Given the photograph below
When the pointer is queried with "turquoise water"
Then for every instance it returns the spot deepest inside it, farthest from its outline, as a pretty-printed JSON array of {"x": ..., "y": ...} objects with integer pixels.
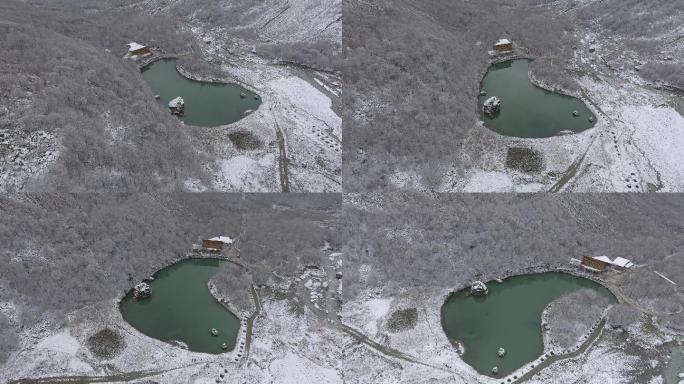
[
  {"x": 508, "y": 317},
  {"x": 526, "y": 109},
  {"x": 181, "y": 308},
  {"x": 675, "y": 366},
  {"x": 206, "y": 104}
]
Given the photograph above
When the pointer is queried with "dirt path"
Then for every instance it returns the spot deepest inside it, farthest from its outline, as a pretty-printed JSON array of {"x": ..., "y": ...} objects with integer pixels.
[
  {"x": 282, "y": 155},
  {"x": 391, "y": 352},
  {"x": 121, "y": 377},
  {"x": 616, "y": 287},
  {"x": 590, "y": 341},
  {"x": 571, "y": 172},
  {"x": 250, "y": 323}
]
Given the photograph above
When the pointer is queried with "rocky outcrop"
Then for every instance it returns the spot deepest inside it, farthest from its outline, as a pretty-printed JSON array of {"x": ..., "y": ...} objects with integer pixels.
[
  {"x": 492, "y": 106},
  {"x": 479, "y": 288},
  {"x": 142, "y": 291},
  {"x": 177, "y": 106}
]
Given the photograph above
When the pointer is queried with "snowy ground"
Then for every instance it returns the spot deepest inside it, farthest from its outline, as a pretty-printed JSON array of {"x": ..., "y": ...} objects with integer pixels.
[
  {"x": 308, "y": 157},
  {"x": 311, "y": 131},
  {"x": 286, "y": 348},
  {"x": 616, "y": 356}
]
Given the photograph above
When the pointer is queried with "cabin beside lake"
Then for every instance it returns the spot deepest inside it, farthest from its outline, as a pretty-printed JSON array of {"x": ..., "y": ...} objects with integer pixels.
[
  {"x": 135, "y": 49},
  {"x": 503, "y": 45},
  {"x": 602, "y": 263},
  {"x": 216, "y": 244}
]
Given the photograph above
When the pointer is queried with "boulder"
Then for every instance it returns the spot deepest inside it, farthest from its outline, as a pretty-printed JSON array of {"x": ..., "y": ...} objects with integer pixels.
[
  {"x": 478, "y": 288},
  {"x": 177, "y": 106},
  {"x": 142, "y": 291},
  {"x": 492, "y": 106}
]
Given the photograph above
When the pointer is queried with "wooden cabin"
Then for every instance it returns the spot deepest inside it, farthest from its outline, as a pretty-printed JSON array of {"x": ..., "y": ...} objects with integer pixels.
[
  {"x": 135, "y": 49},
  {"x": 216, "y": 244},
  {"x": 595, "y": 264},
  {"x": 503, "y": 45},
  {"x": 212, "y": 245}
]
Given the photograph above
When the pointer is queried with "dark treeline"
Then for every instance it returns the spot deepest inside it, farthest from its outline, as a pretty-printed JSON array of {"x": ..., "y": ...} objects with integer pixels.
[
  {"x": 413, "y": 68},
  {"x": 450, "y": 240},
  {"x": 63, "y": 73},
  {"x": 83, "y": 248}
]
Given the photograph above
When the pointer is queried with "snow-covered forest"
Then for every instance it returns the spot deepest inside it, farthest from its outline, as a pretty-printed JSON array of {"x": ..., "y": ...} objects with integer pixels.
[
  {"x": 76, "y": 117},
  {"x": 100, "y": 127},
  {"x": 447, "y": 240},
  {"x": 413, "y": 70},
  {"x": 84, "y": 248}
]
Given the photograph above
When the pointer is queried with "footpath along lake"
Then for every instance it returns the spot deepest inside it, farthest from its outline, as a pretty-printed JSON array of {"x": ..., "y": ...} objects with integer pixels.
[
  {"x": 181, "y": 308},
  {"x": 526, "y": 109},
  {"x": 508, "y": 317},
  {"x": 206, "y": 104}
]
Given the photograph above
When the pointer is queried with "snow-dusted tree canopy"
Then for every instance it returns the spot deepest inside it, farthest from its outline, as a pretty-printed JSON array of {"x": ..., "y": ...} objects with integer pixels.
[
  {"x": 413, "y": 70},
  {"x": 448, "y": 240},
  {"x": 92, "y": 247}
]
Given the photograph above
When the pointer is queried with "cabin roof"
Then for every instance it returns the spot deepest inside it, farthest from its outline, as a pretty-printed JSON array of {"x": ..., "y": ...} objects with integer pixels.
[
  {"x": 622, "y": 262},
  {"x": 132, "y": 47},
  {"x": 223, "y": 239},
  {"x": 618, "y": 261},
  {"x": 605, "y": 259},
  {"x": 502, "y": 42}
]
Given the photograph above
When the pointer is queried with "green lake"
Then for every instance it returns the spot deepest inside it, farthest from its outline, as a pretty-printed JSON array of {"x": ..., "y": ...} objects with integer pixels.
[
  {"x": 526, "y": 109},
  {"x": 182, "y": 309},
  {"x": 206, "y": 104},
  {"x": 675, "y": 366},
  {"x": 508, "y": 317}
]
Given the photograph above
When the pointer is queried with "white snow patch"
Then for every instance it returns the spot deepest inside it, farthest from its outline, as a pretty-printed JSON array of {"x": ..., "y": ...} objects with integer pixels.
[
  {"x": 60, "y": 342},
  {"x": 378, "y": 307},
  {"x": 482, "y": 181},
  {"x": 292, "y": 370},
  {"x": 305, "y": 96},
  {"x": 244, "y": 173},
  {"x": 659, "y": 131},
  {"x": 376, "y": 310}
]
